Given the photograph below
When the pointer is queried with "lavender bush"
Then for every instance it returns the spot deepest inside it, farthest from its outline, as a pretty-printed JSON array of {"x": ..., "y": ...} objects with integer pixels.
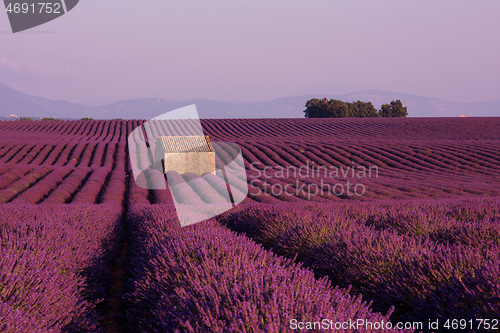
[
  {"x": 44, "y": 252},
  {"x": 408, "y": 252}
]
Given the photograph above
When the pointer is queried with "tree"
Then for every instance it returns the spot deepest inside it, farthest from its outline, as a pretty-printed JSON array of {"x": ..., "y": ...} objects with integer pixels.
[
  {"x": 315, "y": 108},
  {"x": 395, "y": 109},
  {"x": 385, "y": 110},
  {"x": 334, "y": 108},
  {"x": 323, "y": 108},
  {"x": 398, "y": 110},
  {"x": 363, "y": 110},
  {"x": 337, "y": 109}
]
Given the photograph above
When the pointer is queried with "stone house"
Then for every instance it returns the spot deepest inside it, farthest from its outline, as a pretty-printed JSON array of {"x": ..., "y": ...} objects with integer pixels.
[{"x": 185, "y": 154}]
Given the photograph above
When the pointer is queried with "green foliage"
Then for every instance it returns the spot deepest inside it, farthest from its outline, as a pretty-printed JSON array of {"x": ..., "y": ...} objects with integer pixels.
[
  {"x": 334, "y": 108},
  {"x": 395, "y": 109},
  {"x": 338, "y": 109},
  {"x": 315, "y": 108},
  {"x": 48, "y": 118},
  {"x": 385, "y": 110},
  {"x": 85, "y": 118},
  {"x": 363, "y": 109},
  {"x": 398, "y": 110},
  {"x": 24, "y": 119},
  {"x": 323, "y": 108}
]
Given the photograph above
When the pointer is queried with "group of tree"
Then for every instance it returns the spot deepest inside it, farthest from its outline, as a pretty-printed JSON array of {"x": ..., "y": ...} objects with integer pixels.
[
  {"x": 334, "y": 108},
  {"x": 31, "y": 119}
]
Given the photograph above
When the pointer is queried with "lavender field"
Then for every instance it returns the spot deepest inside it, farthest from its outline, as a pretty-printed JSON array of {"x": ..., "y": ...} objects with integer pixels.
[{"x": 346, "y": 220}]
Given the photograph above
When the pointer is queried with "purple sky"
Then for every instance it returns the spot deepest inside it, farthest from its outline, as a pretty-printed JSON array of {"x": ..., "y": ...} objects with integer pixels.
[{"x": 257, "y": 50}]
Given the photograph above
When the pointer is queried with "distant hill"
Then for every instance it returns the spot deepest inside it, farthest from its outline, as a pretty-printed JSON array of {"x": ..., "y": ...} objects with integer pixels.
[
  {"x": 419, "y": 106},
  {"x": 13, "y": 102}
]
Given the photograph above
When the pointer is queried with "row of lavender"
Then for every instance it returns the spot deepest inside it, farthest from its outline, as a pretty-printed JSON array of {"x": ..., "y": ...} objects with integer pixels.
[
  {"x": 431, "y": 259},
  {"x": 275, "y": 170},
  {"x": 409, "y": 171},
  {"x": 271, "y": 129},
  {"x": 64, "y": 184},
  {"x": 54, "y": 266},
  {"x": 456, "y": 157},
  {"x": 93, "y": 154},
  {"x": 464, "y": 167},
  {"x": 89, "y": 130},
  {"x": 430, "y": 170},
  {"x": 205, "y": 278},
  {"x": 355, "y": 129}
]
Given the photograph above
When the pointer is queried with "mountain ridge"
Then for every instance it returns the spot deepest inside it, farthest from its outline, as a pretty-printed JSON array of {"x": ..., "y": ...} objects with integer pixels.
[{"x": 18, "y": 103}]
